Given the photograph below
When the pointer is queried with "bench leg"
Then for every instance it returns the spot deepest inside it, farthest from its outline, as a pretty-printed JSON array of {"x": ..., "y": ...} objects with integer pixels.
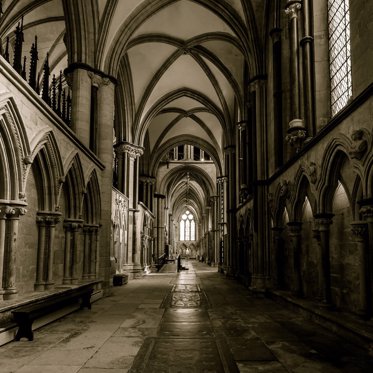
[
  {"x": 25, "y": 330},
  {"x": 86, "y": 301}
]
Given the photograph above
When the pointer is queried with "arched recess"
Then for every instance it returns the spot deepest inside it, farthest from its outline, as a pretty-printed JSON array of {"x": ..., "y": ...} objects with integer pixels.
[
  {"x": 92, "y": 201},
  {"x": 158, "y": 155},
  {"x": 14, "y": 151},
  {"x": 335, "y": 157},
  {"x": 91, "y": 216},
  {"x": 48, "y": 171},
  {"x": 303, "y": 191},
  {"x": 74, "y": 189}
]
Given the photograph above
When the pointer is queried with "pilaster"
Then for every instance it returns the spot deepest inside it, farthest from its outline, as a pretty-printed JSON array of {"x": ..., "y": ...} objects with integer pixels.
[
  {"x": 321, "y": 235},
  {"x": 295, "y": 230}
]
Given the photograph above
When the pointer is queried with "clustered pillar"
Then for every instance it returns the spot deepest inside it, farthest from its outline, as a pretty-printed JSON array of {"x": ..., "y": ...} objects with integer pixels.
[
  {"x": 46, "y": 222},
  {"x": 296, "y": 132}
]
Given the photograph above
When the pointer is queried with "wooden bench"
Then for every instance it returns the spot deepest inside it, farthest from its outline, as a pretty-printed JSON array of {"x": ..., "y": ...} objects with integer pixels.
[{"x": 24, "y": 316}]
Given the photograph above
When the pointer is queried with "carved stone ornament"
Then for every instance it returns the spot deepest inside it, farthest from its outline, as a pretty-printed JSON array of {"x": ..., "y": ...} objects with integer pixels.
[
  {"x": 285, "y": 189},
  {"x": 293, "y": 8},
  {"x": 311, "y": 171},
  {"x": 359, "y": 146},
  {"x": 297, "y": 133},
  {"x": 133, "y": 151},
  {"x": 359, "y": 229}
]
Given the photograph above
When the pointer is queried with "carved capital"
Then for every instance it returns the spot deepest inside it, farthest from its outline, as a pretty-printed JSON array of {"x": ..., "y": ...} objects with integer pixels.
[
  {"x": 292, "y": 9},
  {"x": 221, "y": 180},
  {"x": 97, "y": 80},
  {"x": 242, "y": 125},
  {"x": 323, "y": 221},
  {"x": 132, "y": 150},
  {"x": 367, "y": 212},
  {"x": 359, "y": 229}
]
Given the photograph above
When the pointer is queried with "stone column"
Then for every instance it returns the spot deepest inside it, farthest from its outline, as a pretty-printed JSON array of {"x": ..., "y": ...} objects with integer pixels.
[
  {"x": 119, "y": 151},
  {"x": 215, "y": 230},
  {"x": 133, "y": 152},
  {"x": 72, "y": 248},
  {"x": 366, "y": 211},
  {"x": 46, "y": 221},
  {"x": 295, "y": 230},
  {"x": 159, "y": 225},
  {"x": 9, "y": 218},
  {"x": 40, "y": 280},
  {"x": 93, "y": 252},
  {"x": 360, "y": 233},
  {"x": 81, "y": 104},
  {"x": 105, "y": 123},
  {"x": 222, "y": 187},
  {"x": 296, "y": 131},
  {"x": 87, "y": 233},
  {"x": 2, "y": 247},
  {"x": 278, "y": 247},
  {"x": 321, "y": 234},
  {"x": 308, "y": 68}
]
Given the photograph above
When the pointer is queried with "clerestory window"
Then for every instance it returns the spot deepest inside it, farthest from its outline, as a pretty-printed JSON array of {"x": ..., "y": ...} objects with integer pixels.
[
  {"x": 187, "y": 227},
  {"x": 339, "y": 54}
]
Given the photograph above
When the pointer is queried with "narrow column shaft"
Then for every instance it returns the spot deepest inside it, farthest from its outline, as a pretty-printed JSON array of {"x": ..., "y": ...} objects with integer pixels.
[
  {"x": 295, "y": 229},
  {"x": 10, "y": 290},
  {"x": 360, "y": 230},
  {"x": 323, "y": 222},
  {"x": 67, "y": 259},
  {"x": 75, "y": 254},
  {"x": 52, "y": 231},
  {"x": 40, "y": 280}
]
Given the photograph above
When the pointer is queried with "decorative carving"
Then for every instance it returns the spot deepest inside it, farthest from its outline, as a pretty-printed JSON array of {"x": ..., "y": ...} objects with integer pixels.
[
  {"x": 311, "y": 170},
  {"x": 359, "y": 229},
  {"x": 359, "y": 146},
  {"x": 132, "y": 150},
  {"x": 292, "y": 9},
  {"x": 296, "y": 136},
  {"x": 285, "y": 189}
]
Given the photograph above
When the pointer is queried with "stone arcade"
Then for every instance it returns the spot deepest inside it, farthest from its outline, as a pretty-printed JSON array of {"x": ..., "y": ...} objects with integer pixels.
[{"x": 234, "y": 133}]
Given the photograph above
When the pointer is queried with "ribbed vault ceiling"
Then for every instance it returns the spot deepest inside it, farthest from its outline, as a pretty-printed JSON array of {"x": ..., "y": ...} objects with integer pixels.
[{"x": 180, "y": 64}]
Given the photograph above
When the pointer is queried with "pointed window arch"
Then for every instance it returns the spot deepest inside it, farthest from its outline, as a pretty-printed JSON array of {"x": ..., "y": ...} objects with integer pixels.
[
  {"x": 339, "y": 54},
  {"x": 187, "y": 227}
]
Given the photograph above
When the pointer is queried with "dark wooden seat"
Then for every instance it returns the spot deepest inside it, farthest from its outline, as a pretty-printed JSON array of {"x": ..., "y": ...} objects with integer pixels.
[{"x": 24, "y": 316}]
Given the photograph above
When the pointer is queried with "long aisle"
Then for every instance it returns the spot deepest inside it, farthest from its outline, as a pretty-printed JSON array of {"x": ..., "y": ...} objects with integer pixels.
[
  {"x": 197, "y": 321},
  {"x": 185, "y": 341}
]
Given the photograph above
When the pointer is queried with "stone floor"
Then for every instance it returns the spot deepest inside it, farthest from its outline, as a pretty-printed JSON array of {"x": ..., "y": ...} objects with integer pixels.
[{"x": 197, "y": 321}]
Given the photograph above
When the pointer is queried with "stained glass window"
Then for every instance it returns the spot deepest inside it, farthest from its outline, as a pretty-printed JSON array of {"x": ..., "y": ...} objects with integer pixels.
[
  {"x": 339, "y": 53},
  {"x": 187, "y": 227}
]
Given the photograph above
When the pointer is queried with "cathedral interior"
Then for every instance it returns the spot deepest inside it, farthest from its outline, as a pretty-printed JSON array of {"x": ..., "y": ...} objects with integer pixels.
[{"x": 213, "y": 157}]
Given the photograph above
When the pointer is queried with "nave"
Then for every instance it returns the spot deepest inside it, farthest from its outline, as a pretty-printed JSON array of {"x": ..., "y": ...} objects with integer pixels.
[{"x": 196, "y": 320}]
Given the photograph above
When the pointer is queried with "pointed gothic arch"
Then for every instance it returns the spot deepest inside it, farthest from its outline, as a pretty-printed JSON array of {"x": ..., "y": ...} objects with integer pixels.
[{"x": 14, "y": 151}]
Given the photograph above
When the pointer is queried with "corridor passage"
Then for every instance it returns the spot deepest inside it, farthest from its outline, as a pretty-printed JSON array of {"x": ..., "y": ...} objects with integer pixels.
[{"x": 197, "y": 321}]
